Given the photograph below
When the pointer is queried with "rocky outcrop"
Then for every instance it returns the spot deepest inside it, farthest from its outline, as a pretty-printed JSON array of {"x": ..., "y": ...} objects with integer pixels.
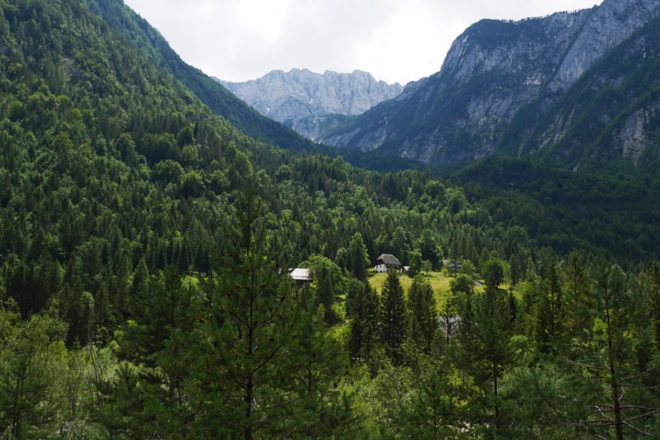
[
  {"x": 498, "y": 81},
  {"x": 303, "y": 100}
]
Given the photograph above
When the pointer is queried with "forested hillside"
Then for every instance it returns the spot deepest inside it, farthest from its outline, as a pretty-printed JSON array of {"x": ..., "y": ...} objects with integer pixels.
[
  {"x": 145, "y": 245},
  {"x": 139, "y": 34}
]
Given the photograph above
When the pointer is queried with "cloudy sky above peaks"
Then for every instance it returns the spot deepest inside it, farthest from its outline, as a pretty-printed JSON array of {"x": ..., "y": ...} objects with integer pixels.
[{"x": 395, "y": 40}]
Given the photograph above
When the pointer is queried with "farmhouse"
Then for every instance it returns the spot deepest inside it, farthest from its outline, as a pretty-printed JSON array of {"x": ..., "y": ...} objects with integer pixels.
[{"x": 386, "y": 262}]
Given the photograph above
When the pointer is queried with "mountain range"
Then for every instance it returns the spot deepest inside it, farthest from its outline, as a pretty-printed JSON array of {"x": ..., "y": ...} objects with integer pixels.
[
  {"x": 572, "y": 89},
  {"x": 311, "y": 103},
  {"x": 148, "y": 217}
]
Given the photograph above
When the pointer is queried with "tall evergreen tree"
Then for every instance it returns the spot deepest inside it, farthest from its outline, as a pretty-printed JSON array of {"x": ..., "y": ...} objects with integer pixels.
[
  {"x": 423, "y": 314},
  {"x": 462, "y": 292},
  {"x": 551, "y": 309},
  {"x": 327, "y": 276},
  {"x": 264, "y": 360},
  {"x": 487, "y": 346},
  {"x": 247, "y": 358},
  {"x": 433, "y": 408},
  {"x": 320, "y": 410},
  {"x": 358, "y": 258},
  {"x": 364, "y": 320},
  {"x": 625, "y": 409},
  {"x": 155, "y": 350},
  {"x": 393, "y": 317},
  {"x": 654, "y": 283},
  {"x": 579, "y": 301}
]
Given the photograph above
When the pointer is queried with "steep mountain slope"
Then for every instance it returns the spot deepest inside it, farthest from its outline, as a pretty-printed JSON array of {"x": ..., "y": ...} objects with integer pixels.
[
  {"x": 496, "y": 75},
  {"x": 310, "y": 102},
  {"x": 612, "y": 112},
  {"x": 138, "y": 32}
]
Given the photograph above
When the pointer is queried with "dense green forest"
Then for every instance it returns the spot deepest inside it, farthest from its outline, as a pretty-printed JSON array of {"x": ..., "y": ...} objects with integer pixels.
[
  {"x": 612, "y": 210},
  {"x": 144, "y": 250}
]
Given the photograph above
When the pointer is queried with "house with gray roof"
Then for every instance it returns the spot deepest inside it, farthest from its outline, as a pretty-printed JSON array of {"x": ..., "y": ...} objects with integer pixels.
[{"x": 386, "y": 262}]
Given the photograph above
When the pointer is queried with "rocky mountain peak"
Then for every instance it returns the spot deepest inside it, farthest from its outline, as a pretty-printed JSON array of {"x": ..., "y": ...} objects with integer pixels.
[
  {"x": 499, "y": 80},
  {"x": 295, "y": 96}
]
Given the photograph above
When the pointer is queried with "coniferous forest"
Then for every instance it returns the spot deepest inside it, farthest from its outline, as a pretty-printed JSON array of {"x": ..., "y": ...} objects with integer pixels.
[{"x": 145, "y": 249}]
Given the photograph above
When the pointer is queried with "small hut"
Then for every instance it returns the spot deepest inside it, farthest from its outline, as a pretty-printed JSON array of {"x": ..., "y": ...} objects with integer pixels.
[{"x": 301, "y": 276}]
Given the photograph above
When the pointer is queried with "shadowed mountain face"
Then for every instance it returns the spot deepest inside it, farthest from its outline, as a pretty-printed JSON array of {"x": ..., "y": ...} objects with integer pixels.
[
  {"x": 312, "y": 103},
  {"x": 573, "y": 88}
]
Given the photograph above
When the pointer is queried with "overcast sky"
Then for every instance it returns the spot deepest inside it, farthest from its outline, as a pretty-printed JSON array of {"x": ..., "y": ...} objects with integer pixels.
[{"x": 395, "y": 40}]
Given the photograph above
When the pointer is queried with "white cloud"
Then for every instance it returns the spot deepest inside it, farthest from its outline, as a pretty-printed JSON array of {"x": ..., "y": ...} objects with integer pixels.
[{"x": 395, "y": 40}]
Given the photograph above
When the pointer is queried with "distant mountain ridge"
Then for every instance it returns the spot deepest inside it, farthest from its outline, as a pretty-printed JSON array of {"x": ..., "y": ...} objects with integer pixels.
[
  {"x": 518, "y": 88},
  {"x": 310, "y": 102}
]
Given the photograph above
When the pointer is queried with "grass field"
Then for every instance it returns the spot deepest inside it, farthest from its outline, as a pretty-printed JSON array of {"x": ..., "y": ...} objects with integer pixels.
[{"x": 440, "y": 283}]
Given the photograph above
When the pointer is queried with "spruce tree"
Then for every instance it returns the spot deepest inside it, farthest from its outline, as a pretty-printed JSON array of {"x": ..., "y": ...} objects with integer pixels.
[
  {"x": 264, "y": 360},
  {"x": 393, "y": 317},
  {"x": 654, "y": 283},
  {"x": 327, "y": 276},
  {"x": 364, "y": 320},
  {"x": 358, "y": 258},
  {"x": 247, "y": 358},
  {"x": 320, "y": 410},
  {"x": 423, "y": 314},
  {"x": 625, "y": 407},
  {"x": 487, "y": 346}
]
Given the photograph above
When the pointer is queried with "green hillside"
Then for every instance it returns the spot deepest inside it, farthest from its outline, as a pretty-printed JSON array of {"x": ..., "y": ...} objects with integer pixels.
[{"x": 138, "y": 33}]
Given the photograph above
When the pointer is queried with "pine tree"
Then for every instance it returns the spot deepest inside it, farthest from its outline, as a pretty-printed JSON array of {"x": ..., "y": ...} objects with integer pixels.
[
  {"x": 27, "y": 375},
  {"x": 327, "y": 276},
  {"x": 247, "y": 358},
  {"x": 432, "y": 410},
  {"x": 428, "y": 249},
  {"x": 364, "y": 320},
  {"x": 423, "y": 314},
  {"x": 551, "y": 310},
  {"x": 614, "y": 360},
  {"x": 263, "y": 359},
  {"x": 155, "y": 350},
  {"x": 654, "y": 283},
  {"x": 358, "y": 258},
  {"x": 579, "y": 302},
  {"x": 393, "y": 317},
  {"x": 321, "y": 410},
  {"x": 487, "y": 344},
  {"x": 462, "y": 292}
]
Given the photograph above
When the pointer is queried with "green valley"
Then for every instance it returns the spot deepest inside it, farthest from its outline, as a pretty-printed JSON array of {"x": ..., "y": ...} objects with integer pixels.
[{"x": 150, "y": 221}]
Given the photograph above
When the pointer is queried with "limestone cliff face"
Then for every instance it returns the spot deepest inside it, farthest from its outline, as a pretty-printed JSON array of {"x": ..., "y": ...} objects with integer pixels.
[
  {"x": 609, "y": 25},
  {"x": 498, "y": 80},
  {"x": 309, "y": 102}
]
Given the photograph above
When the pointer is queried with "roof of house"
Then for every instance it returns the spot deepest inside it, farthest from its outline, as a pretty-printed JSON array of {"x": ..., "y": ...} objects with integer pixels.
[
  {"x": 301, "y": 274},
  {"x": 388, "y": 260}
]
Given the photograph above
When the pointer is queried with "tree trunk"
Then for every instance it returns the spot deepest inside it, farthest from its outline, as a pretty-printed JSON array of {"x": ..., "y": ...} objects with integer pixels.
[
  {"x": 249, "y": 385},
  {"x": 249, "y": 390},
  {"x": 614, "y": 384},
  {"x": 496, "y": 393}
]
